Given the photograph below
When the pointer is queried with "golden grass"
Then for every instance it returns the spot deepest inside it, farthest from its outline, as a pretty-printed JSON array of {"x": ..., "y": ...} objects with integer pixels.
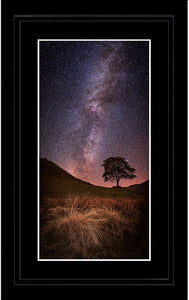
[{"x": 86, "y": 227}]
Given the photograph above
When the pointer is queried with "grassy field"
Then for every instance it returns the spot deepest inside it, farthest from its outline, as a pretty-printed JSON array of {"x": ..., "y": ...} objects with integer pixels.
[{"x": 80, "y": 220}]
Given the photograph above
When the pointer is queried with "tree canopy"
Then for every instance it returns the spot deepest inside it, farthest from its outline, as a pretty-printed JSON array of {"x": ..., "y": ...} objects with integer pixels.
[{"x": 116, "y": 168}]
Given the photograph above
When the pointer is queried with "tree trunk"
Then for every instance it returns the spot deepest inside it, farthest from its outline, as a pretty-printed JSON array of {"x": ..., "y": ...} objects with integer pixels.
[{"x": 117, "y": 182}]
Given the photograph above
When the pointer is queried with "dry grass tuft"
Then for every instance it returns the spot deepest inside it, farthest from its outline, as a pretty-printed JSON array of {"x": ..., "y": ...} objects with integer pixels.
[{"x": 86, "y": 227}]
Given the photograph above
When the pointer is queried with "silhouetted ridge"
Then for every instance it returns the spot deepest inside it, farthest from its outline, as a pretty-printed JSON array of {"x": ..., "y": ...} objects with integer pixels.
[
  {"x": 48, "y": 168},
  {"x": 142, "y": 188}
]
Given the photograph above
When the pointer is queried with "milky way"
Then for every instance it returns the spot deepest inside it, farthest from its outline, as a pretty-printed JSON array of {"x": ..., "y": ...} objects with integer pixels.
[{"x": 94, "y": 103}]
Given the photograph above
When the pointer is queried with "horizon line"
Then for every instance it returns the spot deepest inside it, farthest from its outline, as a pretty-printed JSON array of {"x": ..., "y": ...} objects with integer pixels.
[{"x": 108, "y": 187}]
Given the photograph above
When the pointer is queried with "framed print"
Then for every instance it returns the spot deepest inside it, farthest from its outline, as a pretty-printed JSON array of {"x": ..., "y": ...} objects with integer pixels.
[{"x": 96, "y": 113}]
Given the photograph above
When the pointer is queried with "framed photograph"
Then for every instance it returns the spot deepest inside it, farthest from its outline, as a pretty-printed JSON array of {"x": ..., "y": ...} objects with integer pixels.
[{"x": 93, "y": 197}]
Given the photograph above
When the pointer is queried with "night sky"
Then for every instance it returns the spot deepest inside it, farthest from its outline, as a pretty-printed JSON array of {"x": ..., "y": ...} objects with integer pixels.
[{"x": 94, "y": 103}]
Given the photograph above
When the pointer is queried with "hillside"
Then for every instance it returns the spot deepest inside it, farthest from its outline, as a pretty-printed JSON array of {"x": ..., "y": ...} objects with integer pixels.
[
  {"x": 51, "y": 171},
  {"x": 57, "y": 183},
  {"x": 81, "y": 220},
  {"x": 142, "y": 188}
]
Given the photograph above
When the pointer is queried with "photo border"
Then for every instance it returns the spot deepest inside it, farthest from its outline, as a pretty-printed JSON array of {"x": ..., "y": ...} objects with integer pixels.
[{"x": 161, "y": 280}]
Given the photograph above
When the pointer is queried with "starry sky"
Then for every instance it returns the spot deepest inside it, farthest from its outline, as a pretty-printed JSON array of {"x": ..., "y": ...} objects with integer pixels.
[{"x": 94, "y": 103}]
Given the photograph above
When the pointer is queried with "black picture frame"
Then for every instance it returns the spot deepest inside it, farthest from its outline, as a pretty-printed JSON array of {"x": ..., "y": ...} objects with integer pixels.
[{"x": 166, "y": 273}]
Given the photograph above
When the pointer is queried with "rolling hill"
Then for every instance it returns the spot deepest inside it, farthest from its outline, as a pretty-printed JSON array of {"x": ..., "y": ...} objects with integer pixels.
[
  {"x": 81, "y": 220},
  {"x": 57, "y": 183}
]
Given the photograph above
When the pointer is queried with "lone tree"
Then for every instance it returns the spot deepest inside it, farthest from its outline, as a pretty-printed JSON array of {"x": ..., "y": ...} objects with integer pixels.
[{"x": 116, "y": 168}]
